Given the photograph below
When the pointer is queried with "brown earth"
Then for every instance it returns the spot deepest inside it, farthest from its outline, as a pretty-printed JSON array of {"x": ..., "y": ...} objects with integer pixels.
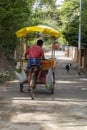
[{"x": 66, "y": 109}]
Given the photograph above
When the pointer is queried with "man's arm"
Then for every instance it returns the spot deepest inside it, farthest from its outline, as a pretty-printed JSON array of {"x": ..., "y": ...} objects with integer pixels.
[{"x": 42, "y": 54}]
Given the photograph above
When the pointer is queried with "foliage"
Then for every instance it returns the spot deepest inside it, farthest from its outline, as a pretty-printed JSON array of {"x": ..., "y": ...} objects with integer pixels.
[
  {"x": 69, "y": 15},
  {"x": 16, "y": 14},
  {"x": 13, "y": 15},
  {"x": 4, "y": 76}
]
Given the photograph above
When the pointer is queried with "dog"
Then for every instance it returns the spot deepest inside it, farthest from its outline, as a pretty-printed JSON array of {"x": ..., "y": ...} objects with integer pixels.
[{"x": 67, "y": 67}]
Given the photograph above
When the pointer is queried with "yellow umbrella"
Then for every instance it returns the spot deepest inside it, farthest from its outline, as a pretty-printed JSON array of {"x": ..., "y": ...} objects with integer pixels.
[{"x": 40, "y": 28}]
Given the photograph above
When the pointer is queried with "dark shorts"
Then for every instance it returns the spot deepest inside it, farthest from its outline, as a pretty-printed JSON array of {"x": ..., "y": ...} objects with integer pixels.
[{"x": 33, "y": 61}]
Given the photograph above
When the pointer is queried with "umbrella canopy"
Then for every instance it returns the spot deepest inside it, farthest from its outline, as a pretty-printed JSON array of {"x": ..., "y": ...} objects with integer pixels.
[{"x": 40, "y": 28}]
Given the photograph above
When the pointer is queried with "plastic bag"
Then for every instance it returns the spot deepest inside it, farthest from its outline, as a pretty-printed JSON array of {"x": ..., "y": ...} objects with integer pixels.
[
  {"x": 18, "y": 65},
  {"x": 22, "y": 77},
  {"x": 49, "y": 79}
]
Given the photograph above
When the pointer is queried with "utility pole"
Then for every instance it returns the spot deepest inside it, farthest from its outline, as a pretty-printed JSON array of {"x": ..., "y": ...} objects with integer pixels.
[{"x": 79, "y": 37}]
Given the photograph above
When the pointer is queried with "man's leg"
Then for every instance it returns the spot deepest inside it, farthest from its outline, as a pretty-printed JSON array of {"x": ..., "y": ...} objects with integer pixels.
[
  {"x": 29, "y": 77},
  {"x": 39, "y": 74},
  {"x": 29, "y": 72}
]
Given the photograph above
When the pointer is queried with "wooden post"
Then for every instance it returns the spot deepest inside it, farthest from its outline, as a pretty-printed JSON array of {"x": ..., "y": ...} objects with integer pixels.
[
  {"x": 53, "y": 50},
  {"x": 21, "y": 52}
]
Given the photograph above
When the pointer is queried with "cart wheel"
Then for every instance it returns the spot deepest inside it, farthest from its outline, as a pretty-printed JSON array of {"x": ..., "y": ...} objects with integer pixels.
[
  {"x": 21, "y": 87},
  {"x": 52, "y": 88},
  {"x": 52, "y": 91}
]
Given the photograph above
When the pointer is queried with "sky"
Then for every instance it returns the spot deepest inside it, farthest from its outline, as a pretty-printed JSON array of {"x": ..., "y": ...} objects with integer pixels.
[{"x": 59, "y": 2}]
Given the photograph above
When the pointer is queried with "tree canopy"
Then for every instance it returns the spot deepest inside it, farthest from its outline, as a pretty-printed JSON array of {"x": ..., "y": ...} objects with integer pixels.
[
  {"x": 16, "y": 14},
  {"x": 69, "y": 15}
]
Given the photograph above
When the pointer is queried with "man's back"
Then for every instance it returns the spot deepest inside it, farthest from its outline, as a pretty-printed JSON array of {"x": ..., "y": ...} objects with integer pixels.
[{"x": 35, "y": 51}]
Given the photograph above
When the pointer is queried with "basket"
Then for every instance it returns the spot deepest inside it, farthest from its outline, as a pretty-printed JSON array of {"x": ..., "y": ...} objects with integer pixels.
[{"x": 46, "y": 64}]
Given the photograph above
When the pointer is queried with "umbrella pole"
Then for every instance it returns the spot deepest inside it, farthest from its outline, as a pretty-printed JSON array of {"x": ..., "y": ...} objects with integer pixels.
[
  {"x": 26, "y": 43},
  {"x": 53, "y": 51},
  {"x": 21, "y": 52},
  {"x": 25, "y": 46},
  {"x": 20, "y": 49}
]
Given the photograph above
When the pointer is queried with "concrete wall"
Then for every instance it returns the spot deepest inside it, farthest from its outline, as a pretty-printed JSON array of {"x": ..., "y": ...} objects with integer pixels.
[{"x": 72, "y": 52}]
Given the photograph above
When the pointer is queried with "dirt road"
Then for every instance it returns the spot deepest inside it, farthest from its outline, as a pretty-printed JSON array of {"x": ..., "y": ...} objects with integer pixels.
[{"x": 66, "y": 109}]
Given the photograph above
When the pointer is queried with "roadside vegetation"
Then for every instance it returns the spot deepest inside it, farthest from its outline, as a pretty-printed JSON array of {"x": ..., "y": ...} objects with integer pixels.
[{"x": 17, "y": 14}]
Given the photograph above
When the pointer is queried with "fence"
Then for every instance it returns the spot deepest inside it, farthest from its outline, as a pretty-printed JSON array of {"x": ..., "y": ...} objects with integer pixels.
[{"x": 72, "y": 52}]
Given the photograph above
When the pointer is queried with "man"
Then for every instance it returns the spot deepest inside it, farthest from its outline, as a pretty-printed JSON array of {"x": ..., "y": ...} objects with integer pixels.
[{"x": 34, "y": 54}]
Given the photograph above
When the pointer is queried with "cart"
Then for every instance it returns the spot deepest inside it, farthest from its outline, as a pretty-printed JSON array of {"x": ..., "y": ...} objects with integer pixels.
[{"x": 47, "y": 65}]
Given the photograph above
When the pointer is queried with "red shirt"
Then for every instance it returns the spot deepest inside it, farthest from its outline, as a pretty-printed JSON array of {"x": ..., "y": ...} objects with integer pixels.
[{"x": 35, "y": 51}]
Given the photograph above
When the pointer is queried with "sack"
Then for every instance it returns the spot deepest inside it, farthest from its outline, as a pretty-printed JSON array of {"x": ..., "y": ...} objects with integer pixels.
[
  {"x": 21, "y": 76},
  {"x": 49, "y": 79}
]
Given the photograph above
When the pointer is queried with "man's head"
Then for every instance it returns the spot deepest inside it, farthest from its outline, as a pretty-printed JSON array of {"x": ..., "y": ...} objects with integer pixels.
[{"x": 40, "y": 43}]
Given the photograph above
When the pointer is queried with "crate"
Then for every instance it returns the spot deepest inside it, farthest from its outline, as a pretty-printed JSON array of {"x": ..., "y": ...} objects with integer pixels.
[{"x": 46, "y": 64}]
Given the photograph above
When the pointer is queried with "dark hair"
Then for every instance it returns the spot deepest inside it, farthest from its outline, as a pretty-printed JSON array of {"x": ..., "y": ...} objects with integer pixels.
[{"x": 40, "y": 42}]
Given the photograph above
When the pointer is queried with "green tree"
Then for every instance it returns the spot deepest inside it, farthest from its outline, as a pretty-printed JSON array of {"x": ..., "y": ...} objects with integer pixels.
[
  {"x": 14, "y": 14},
  {"x": 69, "y": 15}
]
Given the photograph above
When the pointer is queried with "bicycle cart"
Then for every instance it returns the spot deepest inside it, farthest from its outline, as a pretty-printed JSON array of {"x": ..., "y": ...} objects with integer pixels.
[{"x": 47, "y": 65}]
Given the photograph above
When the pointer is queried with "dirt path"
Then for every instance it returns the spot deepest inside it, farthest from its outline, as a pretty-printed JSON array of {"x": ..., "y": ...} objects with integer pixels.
[{"x": 66, "y": 109}]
